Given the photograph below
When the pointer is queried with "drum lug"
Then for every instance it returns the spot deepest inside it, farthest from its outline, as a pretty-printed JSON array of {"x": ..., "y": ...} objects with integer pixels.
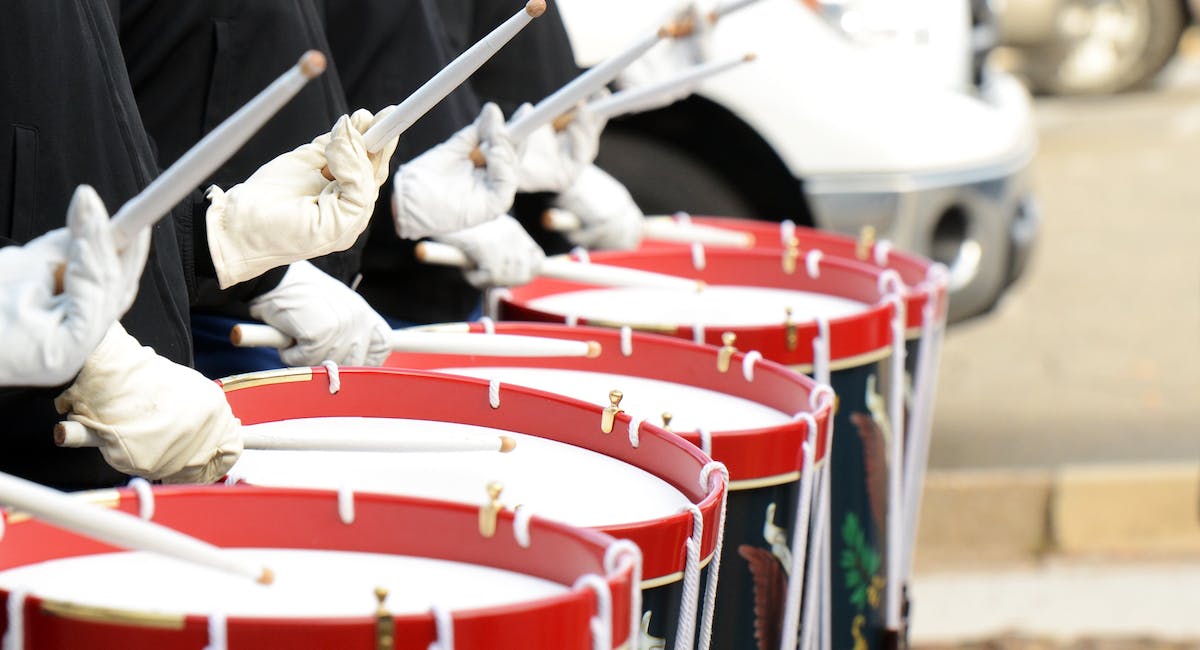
[
  {"x": 385, "y": 625},
  {"x": 490, "y": 510},
  {"x": 791, "y": 253},
  {"x": 666, "y": 420},
  {"x": 866, "y": 243},
  {"x": 726, "y": 353},
  {"x": 791, "y": 334},
  {"x": 610, "y": 412}
]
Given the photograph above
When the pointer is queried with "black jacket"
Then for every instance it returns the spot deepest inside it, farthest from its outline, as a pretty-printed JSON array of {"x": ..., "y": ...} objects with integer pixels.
[{"x": 67, "y": 116}]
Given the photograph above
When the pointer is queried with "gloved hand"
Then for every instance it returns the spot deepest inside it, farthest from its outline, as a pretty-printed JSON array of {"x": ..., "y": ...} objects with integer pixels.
[
  {"x": 503, "y": 253},
  {"x": 156, "y": 419},
  {"x": 442, "y": 191},
  {"x": 610, "y": 218},
  {"x": 549, "y": 160},
  {"x": 327, "y": 319},
  {"x": 47, "y": 337},
  {"x": 288, "y": 211}
]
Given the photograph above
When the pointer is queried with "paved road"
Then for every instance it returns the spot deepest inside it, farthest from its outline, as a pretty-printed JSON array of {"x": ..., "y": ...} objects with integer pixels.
[{"x": 1095, "y": 355}]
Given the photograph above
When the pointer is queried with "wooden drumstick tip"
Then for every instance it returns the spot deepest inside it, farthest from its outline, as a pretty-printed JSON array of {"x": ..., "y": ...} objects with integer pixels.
[
  {"x": 677, "y": 29},
  {"x": 266, "y": 577},
  {"x": 60, "y": 278},
  {"x": 535, "y": 8},
  {"x": 750, "y": 56},
  {"x": 594, "y": 349},
  {"x": 477, "y": 158},
  {"x": 312, "y": 64},
  {"x": 235, "y": 337},
  {"x": 327, "y": 174},
  {"x": 507, "y": 444},
  {"x": 60, "y": 434}
]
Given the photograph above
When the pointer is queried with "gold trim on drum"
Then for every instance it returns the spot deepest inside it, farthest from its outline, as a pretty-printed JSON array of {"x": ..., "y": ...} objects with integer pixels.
[
  {"x": 106, "y": 498},
  {"x": 655, "y": 328},
  {"x": 766, "y": 481},
  {"x": 671, "y": 578},
  {"x": 265, "y": 378},
  {"x": 849, "y": 362},
  {"x": 112, "y": 616}
]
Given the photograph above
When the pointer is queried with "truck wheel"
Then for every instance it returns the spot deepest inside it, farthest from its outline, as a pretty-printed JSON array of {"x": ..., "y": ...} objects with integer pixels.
[{"x": 1106, "y": 46}]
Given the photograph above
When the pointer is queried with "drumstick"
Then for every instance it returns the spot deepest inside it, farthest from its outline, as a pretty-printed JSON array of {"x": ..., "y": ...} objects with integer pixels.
[
  {"x": 121, "y": 529},
  {"x": 661, "y": 93},
  {"x": 564, "y": 268},
  {"x": 495, "y": 345},
  {"x": 73, "y": 434},
  {"x": 449, "y": 78},
  {"x": 204, "y": 157},
  {"x": 661, "y": 229}
]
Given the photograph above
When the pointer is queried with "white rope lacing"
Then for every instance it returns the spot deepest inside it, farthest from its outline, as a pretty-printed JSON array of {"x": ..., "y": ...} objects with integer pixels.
[
  {"x": 705, "y": 441},
  {"x": 821, "y": 345},
  {"x": 635, "y": 426},
  {"x": 571, "y": 320},
  {"x": 698, "y": 330},
  {"x": 895, "y": 515},
  {"x": 625, "y": 550},
  {"x": 494, "y": 393},
  {"x": 3, "y": 523},
  {"x": 601, "y": 624},
  {"x": 493, "y": 297},
  {"x": 335, "y": 377},
  {"x": 345, "y": 504},
  {"x": 813, "y": 595},
  {"x": 14, "y": 638},
  {"x": 626, "y": 341},
  {"x": 889, "y": 283},
  {"x": 145, "y": 495},
  {"x": 488, "y": 324},
  {"x": 787, "y": 231},
  {"x": 522, "y": 517},
  {"x": 218, "y": 632},
  {"x": 445, "y": 628},
  {"x": 883, "y": 249},
  {"x": 708, "y": 480},
  {"x": 698, "y": 259},
  {"x": 581, "y": 255},
  {"x": 690, "y": 601},
  {"x": 800, "y": 529},
  {"x": 812, "y": 263},
  {"x": 752, "y": 357},
  {"x": 683, "y": 218}
]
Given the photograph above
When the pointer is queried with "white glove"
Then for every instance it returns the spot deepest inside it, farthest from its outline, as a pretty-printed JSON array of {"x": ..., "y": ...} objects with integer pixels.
[
  {"x": 610, "y": 218},
  {"x": 328, "y": 320},
  {"x": 549, "y": 160},
  {"x": 47, "y": 337},
  {"x": 504, "y": 254},
  {"x": 288, "y": 211},
  {"x": 156, "y": 419},
  {"x": 442, "y": 191}
]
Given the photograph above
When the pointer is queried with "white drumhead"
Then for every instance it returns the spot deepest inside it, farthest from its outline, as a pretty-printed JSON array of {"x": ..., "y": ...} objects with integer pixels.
[
  {"x": 558, "y": 481},
  {"x": 308, "y": 583},
  {"x": 691, "y": 407},
  {"x": 715, "y": 307}
]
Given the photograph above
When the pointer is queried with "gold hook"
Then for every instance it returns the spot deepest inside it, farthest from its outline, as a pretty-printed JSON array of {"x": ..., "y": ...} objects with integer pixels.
[
  {"x": 793, "y": 337},
  {"x": 866, "y": 241},
  {"x": 385, "y": 625},
  {"x": 791, "y": 253},
  {"x": 726, "y": 352},
  {"x": 490, "y": 510},
  {"x": 666, "y": 418},
  {"x": 611, "y": 411}
]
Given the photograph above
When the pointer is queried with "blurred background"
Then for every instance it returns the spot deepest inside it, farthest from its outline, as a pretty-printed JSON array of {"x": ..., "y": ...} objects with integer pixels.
[{"x": 1063, "y": 509}]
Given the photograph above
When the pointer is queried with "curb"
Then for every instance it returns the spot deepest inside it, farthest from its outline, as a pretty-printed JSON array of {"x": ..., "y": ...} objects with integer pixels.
[{"x": 971, "y": 518}]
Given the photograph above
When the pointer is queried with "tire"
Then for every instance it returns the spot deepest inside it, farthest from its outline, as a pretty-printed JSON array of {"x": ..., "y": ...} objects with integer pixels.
[
  {"x": 1138, "y": 37},
  {"x": 664, "y": 179}
]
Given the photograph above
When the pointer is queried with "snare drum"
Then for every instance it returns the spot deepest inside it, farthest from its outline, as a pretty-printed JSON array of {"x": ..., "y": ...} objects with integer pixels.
[
  {"x": 845, "y": 321},
  {"x": 750, "y": 414},
  {"x": 534, "y": 584},
  {"x": 636, "y": 482}
]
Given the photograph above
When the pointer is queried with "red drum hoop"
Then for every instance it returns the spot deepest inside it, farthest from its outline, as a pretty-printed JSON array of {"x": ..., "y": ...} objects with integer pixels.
[
  {"x": 856, "y": 338},
  {"x": 298, "y": 393},
  {"x": 753, "y": 456},
  {"x": 247, "y": 517}
]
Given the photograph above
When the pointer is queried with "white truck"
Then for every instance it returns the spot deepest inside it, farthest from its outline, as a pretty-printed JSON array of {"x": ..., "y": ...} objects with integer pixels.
[{"x": 856, "y": 112}]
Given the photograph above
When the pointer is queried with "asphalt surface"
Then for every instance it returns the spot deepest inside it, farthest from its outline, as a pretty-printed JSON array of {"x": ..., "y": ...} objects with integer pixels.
[{"x": 1094, "y": 356}]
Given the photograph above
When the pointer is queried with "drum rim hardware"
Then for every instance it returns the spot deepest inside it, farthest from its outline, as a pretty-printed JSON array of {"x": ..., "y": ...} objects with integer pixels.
[{"x": 608, "y": 418}]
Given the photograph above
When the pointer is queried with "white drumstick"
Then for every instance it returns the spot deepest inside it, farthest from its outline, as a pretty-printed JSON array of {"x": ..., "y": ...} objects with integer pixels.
[
  {"x": 564, "y": 268},
  {"x": 69, "y": 433},
  {"x": 660, "y": 229},
  {"x": 495, "y": 345},
  {"x": 121, "y": 529},
  {"x": 212, "y": 151},
  {"x": 450, "y": 78},
  {"x": 661, "y": 93},
  {"x": 565, "y": 98}
]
